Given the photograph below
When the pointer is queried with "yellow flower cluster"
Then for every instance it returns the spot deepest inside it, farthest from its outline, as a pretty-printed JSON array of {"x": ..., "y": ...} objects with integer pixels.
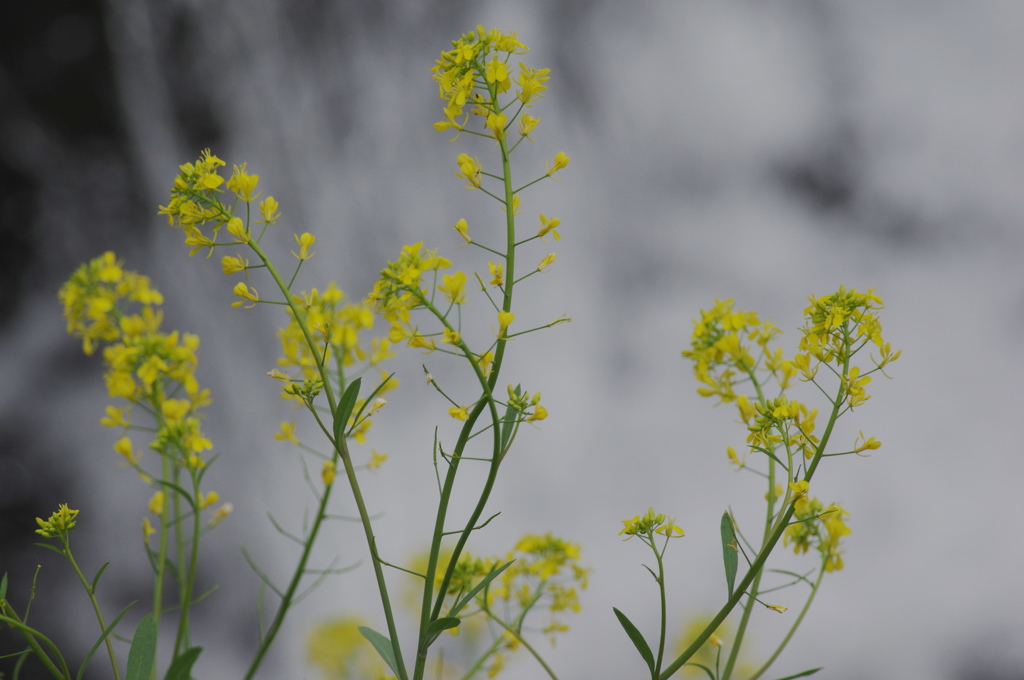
[
  {"x": 838, "y": 326},
  {"x": 721, "y": 347},
  {"x": 196, "y": 201},
  {"x": 545, "y": 573},
  {"x": 104, "y": 304},
  {"x": 819, "y": 527},
  {"x": 649, "y": 524},
  {"x": 475, "y": 70},
  {"x": 58, "y": 524}
]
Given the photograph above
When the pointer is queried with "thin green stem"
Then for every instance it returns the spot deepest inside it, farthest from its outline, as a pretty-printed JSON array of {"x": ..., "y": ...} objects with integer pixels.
[
  {"x": 95, "y": 604},
  {"x": 792, "y": 630}
]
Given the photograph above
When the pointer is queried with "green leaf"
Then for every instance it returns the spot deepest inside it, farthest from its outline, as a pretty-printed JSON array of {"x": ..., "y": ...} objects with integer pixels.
[
  {"x": 103, "y": 636},
  {"x": 382, "y": 645},
  {"x": 181, "y": 667},
  {"x": 143, "y": 650},
  {"x": 438, "y": 626},
  {"x": 729, "y": 551},
  {"x": 3, "y": 587},
  {"x": 344, "y": 411},
  {"x": 96, "y": 578},
  {"x": 468, "y": 597},
  {"x": 638, "y": 639},
  {"x": 802, "y": 675}
]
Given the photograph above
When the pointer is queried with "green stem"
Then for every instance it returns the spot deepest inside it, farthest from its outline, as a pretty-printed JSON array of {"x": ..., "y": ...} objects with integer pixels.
[
  {"x": 778, "y": 530},
  {"x": 95, "y": 604},
  {"x": 792, "y": 630},
  {"x": 432, "y": 605},
  {"x": 340, "y": 451},
  {"x": 10, "y": 617}
]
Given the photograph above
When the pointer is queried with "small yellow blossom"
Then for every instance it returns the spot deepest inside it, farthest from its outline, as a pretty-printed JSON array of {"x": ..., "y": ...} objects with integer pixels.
[
  {"x": 156, "y": 503},
  {"x": 561, "y": 161},
  {"x": 548, "y": 226},
  {"x": 305, "y": 243},
  {"x": 459, "y": 412},
  {"x": 461, "y": 226},
  {"x": 328, "y": 472},
  {"x": 243, "y": 291},
  {"x": 269, "y": 209},
  {"x": 287, "y": 433}
]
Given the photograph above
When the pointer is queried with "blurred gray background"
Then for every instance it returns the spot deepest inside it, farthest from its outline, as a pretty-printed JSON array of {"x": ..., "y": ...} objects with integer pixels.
[{"x": 764, "y": 151}]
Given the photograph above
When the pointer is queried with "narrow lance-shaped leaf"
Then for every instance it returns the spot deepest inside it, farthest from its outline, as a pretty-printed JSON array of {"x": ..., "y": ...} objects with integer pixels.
[
  {"x": 345, "y": 406},
  {"x": 729, "y": 551},
  {"x": 638, "y": 639}
]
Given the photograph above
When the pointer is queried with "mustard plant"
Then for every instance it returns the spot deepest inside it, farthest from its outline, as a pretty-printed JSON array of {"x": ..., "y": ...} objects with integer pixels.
[{"x": 328, "y": 349}]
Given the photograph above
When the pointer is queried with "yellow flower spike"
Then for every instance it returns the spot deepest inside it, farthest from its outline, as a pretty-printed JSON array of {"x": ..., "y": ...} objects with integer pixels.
[
  {"x": 241, "y": 290},
  {"x": 462, "y": 228},
  {"x": 305, "y": 243},
  {"x": 156, "y": 503},
  {"x": 328, "y": 472},
  {"x": 560, "y": 162},
  {"x": 59, "y": 523},
  {"x": 549, "y": 226}
]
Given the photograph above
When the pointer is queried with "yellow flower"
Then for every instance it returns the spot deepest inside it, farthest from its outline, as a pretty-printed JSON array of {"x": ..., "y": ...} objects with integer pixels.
[
  {"x": 123, "y": 447},
  {"x": 549, "y": 226},
  {"x": 287, "y": 433},
  {"x": 561, "y": 160},
  {"x": 237, "y": 229},
  {"x": 305, "y": 243},
  {"x": 548, "y": 260},
  {"x": 328, "y": 472},
  {"x": 462, "y": 227},
  {"x": 269, "y": 209},
  {"x": 242, "y": 183},
  {"x": 243, "y": 291},
  {"x": 156, "y": 503},
  {"x": 497, "y": 273},
  {"x": 469, "y": 170},
  {"x": 505, "y": 319},
  {"x": 496, "y": 125},
  {"x": 459, "y": 412}
]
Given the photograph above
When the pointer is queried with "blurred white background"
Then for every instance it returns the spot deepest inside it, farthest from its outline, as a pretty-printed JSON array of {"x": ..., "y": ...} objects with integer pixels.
[{"x": 763, "y": 151}]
